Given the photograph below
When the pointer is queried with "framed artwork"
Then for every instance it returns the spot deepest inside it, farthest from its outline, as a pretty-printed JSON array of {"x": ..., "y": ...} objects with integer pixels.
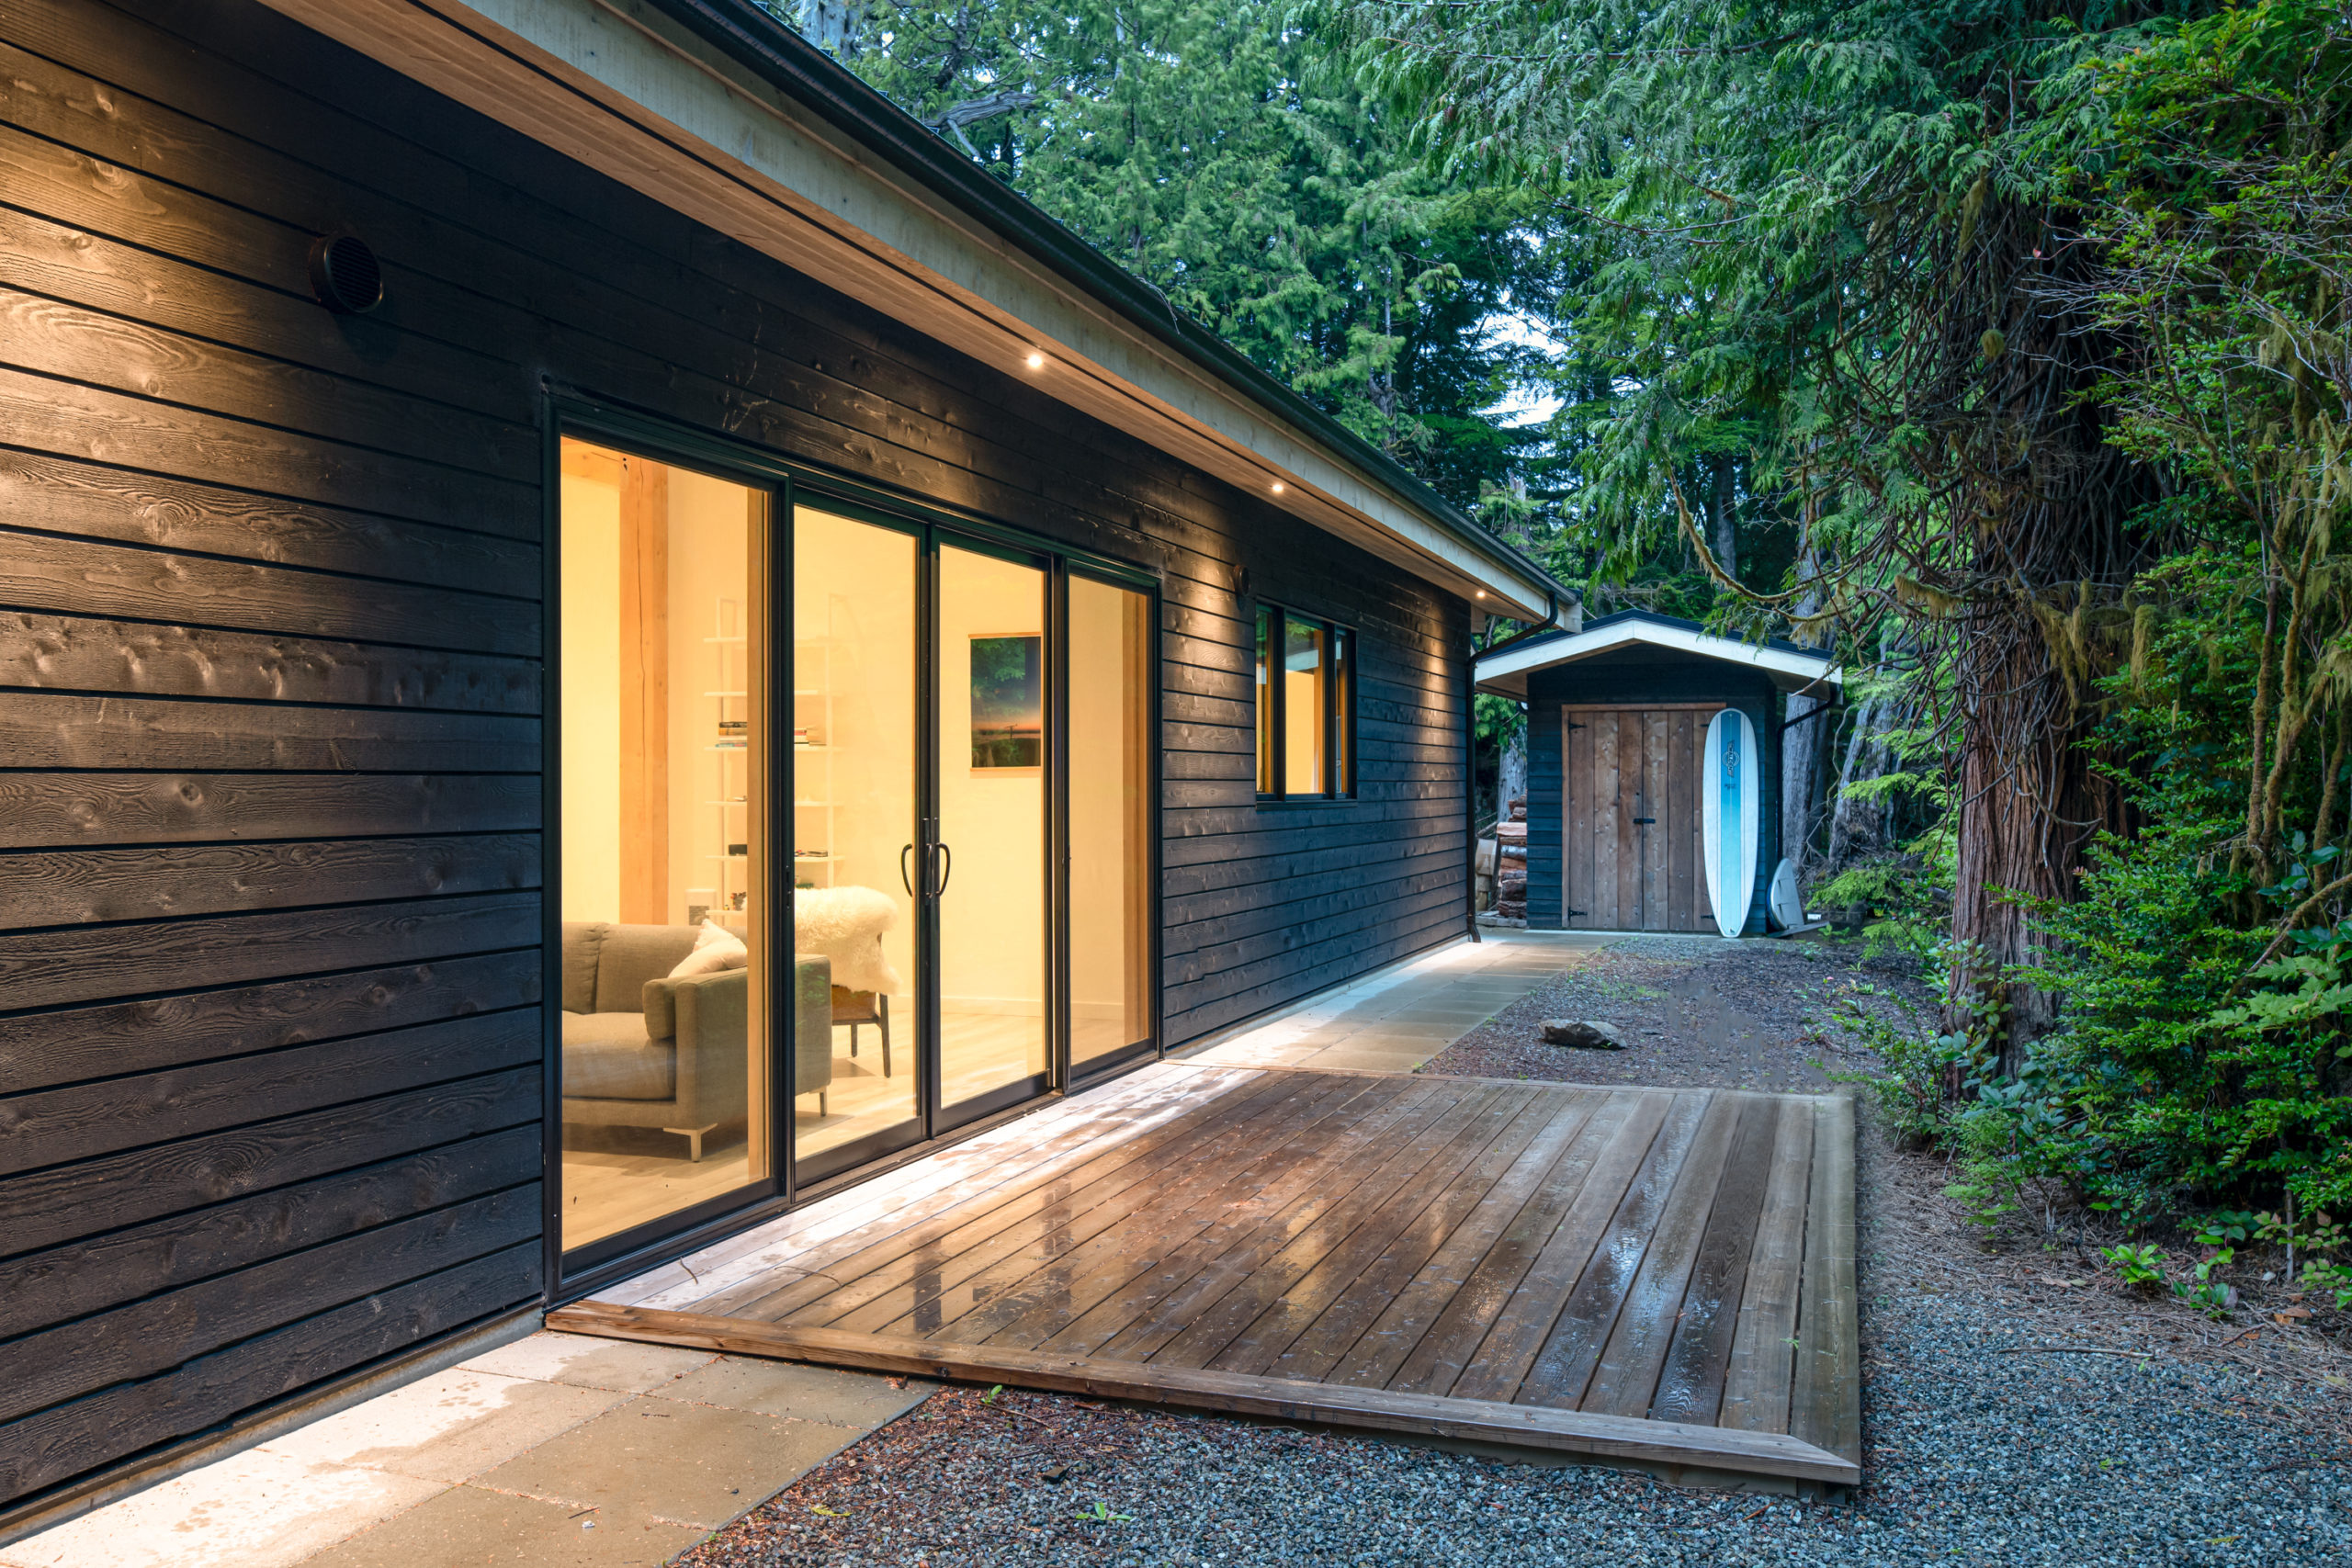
[{"x": 1009, "y": 702}]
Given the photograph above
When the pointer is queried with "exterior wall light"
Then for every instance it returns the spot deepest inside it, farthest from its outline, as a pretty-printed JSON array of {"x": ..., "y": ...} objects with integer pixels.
[
  {"x": 1278, "y": 487},
  {"x": 1036, "y": 360}
]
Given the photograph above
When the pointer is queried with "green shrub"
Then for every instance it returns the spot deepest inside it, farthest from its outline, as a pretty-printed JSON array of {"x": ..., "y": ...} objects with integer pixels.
[{"x": 2189, "y": 1071}]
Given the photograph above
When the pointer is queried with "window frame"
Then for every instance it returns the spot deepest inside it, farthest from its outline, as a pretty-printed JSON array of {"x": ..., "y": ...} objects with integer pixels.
[{"x": 1270, "y": 718}]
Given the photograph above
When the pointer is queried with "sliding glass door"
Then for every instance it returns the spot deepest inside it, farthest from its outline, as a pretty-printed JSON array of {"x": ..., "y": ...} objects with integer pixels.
[
  {"x": 663, "y": 876},
  {"x": 858, "y": 784},
  {"x": 853, "y": 835},
  {"x": 922, "y": 833},
  {"x": 1109, "y": 749},
  {"x": 990, "y": 845}
]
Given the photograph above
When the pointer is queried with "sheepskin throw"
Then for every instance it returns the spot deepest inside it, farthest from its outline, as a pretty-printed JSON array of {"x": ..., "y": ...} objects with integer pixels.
[{"x": 845, "y": 924}]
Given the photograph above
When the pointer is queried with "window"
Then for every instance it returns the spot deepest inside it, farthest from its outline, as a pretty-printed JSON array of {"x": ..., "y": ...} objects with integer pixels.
[{"x": 1306, "y": 707}]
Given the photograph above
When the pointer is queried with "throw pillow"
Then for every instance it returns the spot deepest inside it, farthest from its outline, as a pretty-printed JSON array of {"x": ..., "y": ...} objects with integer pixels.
[{"x": 716, "y": 947}]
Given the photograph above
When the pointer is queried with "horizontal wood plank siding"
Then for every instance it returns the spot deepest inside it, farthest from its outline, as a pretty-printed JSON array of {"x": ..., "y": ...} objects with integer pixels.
[{"x": 272, "y": 691}]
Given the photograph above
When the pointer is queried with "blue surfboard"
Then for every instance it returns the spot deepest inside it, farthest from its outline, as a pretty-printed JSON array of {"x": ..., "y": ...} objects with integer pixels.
[{"x": 1730, "y": 818}]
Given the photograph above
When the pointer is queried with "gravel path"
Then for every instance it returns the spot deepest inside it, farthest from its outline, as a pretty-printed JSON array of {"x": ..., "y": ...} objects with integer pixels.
[
  {"x": 1697, "y": 1011},
  {"x": 1979, "y": 1449}
]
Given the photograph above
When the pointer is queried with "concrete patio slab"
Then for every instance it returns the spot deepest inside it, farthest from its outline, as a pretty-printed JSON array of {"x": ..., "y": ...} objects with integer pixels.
[
  {"x": 804, "y": 1393},
  {"x": 548, "y": 1452},
  {"x": 447, "y": 1428},
  {"x": 586, "y": 1363},
  {"x": 466, "y": 1526},
  {"x": 1397, "y": 1019},
  {"x": 692, "y": 1464},
  {"x": 256, "y": 1509}
]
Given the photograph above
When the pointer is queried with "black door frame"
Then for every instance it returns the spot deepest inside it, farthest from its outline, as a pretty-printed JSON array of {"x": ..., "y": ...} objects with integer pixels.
[{"x": 570, "y": 1276}]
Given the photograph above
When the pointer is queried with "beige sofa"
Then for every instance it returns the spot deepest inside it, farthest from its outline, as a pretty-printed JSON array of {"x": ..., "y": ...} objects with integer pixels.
[{"x": 642, "y": 1050}]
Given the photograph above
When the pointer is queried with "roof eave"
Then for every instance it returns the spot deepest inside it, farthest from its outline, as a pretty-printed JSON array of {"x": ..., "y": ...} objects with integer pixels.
[{"x": 1789, "y": 670}]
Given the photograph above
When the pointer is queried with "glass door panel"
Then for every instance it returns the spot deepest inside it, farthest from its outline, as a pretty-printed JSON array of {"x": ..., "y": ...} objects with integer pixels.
[
  {"x": 988, "y": 863},
  {"x": 662, "y": 646},
  {"x": 1110, "y": 819},
  {"x": 856, "y": 807}
]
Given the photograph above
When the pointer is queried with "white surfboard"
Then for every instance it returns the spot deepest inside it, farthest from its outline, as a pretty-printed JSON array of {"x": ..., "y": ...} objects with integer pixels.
[
  {"x": 1786, "y": 908},
  {"x": 1730, "y": 818}
]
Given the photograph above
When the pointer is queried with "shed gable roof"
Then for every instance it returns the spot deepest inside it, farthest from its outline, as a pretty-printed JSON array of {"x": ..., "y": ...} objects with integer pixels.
[{"x": 1790, "y": 668}]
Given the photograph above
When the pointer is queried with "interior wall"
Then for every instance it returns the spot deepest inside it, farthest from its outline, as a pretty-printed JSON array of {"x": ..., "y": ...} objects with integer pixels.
[{"x": 589, "y": 563}]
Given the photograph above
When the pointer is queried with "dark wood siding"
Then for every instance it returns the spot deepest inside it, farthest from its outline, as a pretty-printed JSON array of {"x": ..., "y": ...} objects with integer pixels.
[
  {"x": 1634, "y": 678},
  {"x": 270, "y": 691}
]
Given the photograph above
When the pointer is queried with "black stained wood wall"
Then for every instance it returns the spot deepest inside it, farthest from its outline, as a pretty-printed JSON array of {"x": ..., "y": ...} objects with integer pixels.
[{"x": 270, "y": 691}]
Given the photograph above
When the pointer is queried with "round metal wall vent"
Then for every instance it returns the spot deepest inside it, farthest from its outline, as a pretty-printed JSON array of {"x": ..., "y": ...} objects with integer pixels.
[{"x": 344, "y": 273}]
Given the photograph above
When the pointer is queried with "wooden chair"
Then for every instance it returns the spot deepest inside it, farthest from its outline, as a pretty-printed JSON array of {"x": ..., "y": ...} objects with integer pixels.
[{"x": 859, "y": 1007}]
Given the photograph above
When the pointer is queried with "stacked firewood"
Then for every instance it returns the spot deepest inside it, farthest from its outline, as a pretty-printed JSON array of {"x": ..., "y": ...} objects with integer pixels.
[{"x": 1510, "y": 864}]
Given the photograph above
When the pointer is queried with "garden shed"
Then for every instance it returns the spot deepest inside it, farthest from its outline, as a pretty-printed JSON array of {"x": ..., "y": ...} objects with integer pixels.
[{"x": 1618, "y": 715}]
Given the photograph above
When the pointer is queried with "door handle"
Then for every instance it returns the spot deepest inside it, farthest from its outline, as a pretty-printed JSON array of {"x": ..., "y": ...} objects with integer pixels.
[
  {"x": 947, "y": 869},
  {"x": 1644, "y": 821},
  {"x": 906, "y": 879}
]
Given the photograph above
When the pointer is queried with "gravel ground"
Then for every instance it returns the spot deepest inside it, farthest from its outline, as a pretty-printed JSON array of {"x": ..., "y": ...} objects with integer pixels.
[
  {"x": 1977, "y": 1457},
  {"x": 2205, "y": 1444},
  {"x": 1697, "y": 1011}
]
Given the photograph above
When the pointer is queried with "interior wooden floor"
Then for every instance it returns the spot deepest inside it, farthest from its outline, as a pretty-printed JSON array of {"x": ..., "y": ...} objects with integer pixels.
[
  {"x": 978, "y": 1052},
  {"x": 1662, "y": 1275}
]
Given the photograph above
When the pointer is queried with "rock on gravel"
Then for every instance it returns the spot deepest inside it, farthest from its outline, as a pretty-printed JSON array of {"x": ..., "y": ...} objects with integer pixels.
[{"x": 1582, "y": 1034}]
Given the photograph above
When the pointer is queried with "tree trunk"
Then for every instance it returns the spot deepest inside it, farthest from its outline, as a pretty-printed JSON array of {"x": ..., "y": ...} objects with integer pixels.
[
  {"x": 1512, "y": 782},
  {"x": 832, "y": 25},
  {"x": 1799, "y": 745},
  {"x": 1726, "y": 541},
  {"x": 2028, "y": 804},
  {"x": 1802, "y": 742},
  {"x": 1858, "y": 827}
]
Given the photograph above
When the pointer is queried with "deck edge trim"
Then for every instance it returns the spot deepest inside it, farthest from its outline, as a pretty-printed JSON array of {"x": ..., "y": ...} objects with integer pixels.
[{"x": 1526, "y": 1426}]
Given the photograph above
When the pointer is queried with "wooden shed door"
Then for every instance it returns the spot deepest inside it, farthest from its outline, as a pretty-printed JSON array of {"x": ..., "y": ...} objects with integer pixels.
[{"x": 1629, "y": 844}]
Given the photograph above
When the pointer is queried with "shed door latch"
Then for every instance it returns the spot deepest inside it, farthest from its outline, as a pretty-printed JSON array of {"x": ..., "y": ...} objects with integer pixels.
[{"x": 1644, "y": 821}]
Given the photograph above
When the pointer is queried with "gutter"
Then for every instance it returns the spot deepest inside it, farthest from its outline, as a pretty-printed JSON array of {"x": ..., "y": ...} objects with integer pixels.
[{"x": 761, "y": 41}]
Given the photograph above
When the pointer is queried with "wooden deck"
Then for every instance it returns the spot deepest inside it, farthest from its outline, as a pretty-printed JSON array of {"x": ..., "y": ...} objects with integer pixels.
[{"x": 1659, "y": 1275}]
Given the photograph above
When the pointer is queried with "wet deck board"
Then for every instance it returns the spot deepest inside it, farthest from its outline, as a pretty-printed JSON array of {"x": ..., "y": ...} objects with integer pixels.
[{"x": 1658, "y": 1274}]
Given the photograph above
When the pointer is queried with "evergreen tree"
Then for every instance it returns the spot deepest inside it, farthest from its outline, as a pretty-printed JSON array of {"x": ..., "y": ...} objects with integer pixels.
[{"x": 1224, "y": 157}]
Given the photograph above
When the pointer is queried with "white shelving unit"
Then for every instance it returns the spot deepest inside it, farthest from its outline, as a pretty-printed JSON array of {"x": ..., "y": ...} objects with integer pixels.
[
  {"x": 731, "y": 731},
  {"x": 814, "y": 807}
]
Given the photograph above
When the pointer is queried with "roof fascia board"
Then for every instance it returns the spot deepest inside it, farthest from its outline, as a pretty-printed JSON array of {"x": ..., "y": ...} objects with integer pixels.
[
  {"x": 1508, "y": 672},
  {"x": 621, "y": 87}
]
